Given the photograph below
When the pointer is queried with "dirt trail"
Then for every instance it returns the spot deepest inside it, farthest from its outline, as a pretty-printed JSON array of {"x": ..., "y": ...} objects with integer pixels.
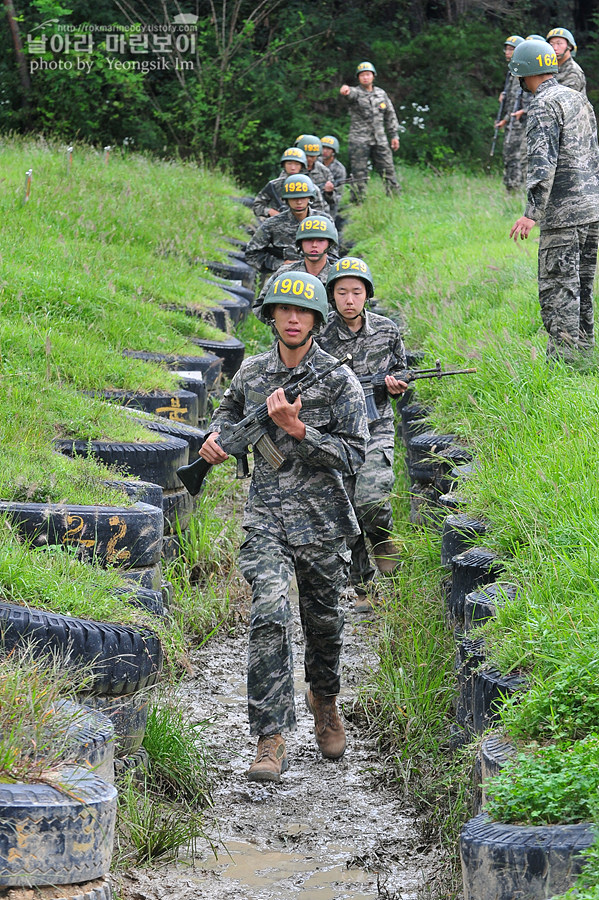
[{"x": 330, "y": 831}]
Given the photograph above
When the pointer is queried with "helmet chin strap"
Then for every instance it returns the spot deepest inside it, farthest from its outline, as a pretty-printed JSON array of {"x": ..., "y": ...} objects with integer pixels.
[{"x": 315, "y": 258}]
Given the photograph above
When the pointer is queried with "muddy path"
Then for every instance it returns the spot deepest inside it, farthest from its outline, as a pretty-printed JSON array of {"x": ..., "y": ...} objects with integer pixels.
[{"x": 332, "y": 830}]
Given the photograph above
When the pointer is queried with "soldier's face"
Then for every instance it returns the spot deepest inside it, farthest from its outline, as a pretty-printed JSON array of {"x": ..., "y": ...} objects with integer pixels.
[
  {"x": 315, "y": 248},
  {"x": 350, "y": 296},
  {"x": 327, "y": 152},
  {"x": 366, "y": 78},
  {"x": 311, "y": 161},
  {"x": 293, "y": 323},
  {"x": 292, "y": 166},
  {"x": 560, "y": 45},
  {"x": 298, "y": 204},
  {"x": 509, "y": 52}
]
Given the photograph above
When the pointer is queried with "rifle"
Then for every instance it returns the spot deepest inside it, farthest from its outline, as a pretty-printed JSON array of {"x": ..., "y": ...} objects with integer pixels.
[
  {"x": 375, "y": 389},
  {"x": 235, "y": 440},
  {"x": 516, "y": 107},
  {"x": 499, "y": 115}
]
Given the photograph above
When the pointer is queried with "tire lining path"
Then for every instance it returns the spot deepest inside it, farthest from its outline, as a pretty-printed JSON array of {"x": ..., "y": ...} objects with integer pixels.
[{"x": 332, "y": 830}]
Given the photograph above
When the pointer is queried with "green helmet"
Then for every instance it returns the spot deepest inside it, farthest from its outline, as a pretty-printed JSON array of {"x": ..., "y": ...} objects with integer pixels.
[
  {"x": 535, "y": 37},
  {"x": 310, "y": 144},
  {"x": 298, "y": 289},
  {"x": 350, "y": 266},
  {"x": 330, "y": 141},
  {"x": 365, "y": 67},
  {"x": 533, "y": 58},
  {"x": 294, "y": 154},
  {"x": 316, "y": 227},
  {"x": 298, "y": 186},
  {"x": 566, "y": 35},
  {"x": 513, "y": 40}
]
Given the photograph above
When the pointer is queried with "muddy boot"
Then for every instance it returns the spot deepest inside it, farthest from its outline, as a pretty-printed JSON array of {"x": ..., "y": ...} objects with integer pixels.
[
  {"x": 367, "y": 597},
  {"x": 328, "y": 727},
  {"x": 386, "y": 556},
  {"x": 271, "y": 759}
]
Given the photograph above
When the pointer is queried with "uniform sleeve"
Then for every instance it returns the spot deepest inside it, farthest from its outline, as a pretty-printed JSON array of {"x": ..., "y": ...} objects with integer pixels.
[
  {"x": 257, "y": 252},
  {"x": 231, "y": 406},
  {"x": 391, "y": 123},
  {"x": 398, "y": 351},
  {"x": 263, "y": 201},
  {"x": 343, "y": 447},
  {"x": 543, "y": 137},
  {"x": 353, "y": 95}
]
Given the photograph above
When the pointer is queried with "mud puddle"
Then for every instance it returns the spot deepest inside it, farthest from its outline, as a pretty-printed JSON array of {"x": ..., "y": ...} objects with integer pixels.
[{"x": 331, "y": 830}]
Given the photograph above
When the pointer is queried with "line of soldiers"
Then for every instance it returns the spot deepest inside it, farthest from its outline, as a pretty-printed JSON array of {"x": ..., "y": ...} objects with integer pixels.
[
  {"x": 514, "y": 101},
  {"x": 324, "y": 512}
]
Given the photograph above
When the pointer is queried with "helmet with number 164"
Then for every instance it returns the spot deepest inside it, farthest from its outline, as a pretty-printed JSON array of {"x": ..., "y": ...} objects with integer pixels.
[
  {"x": 298, "y": 289},
  {"x": 350, "y": 267},
  {"x": 533, "y": 58}
]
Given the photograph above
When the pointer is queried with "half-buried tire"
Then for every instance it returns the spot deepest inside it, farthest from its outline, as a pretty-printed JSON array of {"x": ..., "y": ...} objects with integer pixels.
[
  {"x": 231, "y": 351},
  {"x": 153, "y": 461},
  {"x": 209, "y": 365}
]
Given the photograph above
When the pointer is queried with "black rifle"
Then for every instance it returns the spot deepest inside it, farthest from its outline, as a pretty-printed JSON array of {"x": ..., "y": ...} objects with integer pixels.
[
  {"x": 516, "y": 107},
  {"x": 375, "y": 389},
  {"x": 500, "y": 113},
  {"x": 251, "y": 431}
]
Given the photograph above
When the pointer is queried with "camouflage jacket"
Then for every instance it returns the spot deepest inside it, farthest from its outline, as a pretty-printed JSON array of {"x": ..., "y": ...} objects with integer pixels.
[
  {"x": 563, "y": 158},
  {"x": 299, "y": 266},
  {"x": 274, "y": 241},
  {"x": 572, "y": 76},
  {"x": 304, "y": 501},
  {"x": 320, "y": 175},
  {"x": 271, "y": 194},
  {"x": 337, "y": 173},
  {"x": 372, "y": 114},
  {"x": 376, "y": 347},
  {"x": 515, "y": 99}
]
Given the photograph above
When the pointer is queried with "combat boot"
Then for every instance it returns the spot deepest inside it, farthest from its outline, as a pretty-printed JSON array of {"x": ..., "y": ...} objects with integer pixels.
[
  {"x": 328, "y": 727},
  {"x": 386, "y": 554},
  {"x": 271, "y": 759}
]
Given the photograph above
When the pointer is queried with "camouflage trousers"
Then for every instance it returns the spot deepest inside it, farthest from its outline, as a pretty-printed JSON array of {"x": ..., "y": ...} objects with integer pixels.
[
  {"x": 382, "y": 160},
  {"x": 567, "y": 263},
  {"x": 514, "y": 158},
  {"x": 369, "y": 492},
  {"x": 268, "y": 564}
]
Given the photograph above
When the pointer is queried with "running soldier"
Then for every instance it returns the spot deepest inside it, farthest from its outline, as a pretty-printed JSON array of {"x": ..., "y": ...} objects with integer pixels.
[
  {"x": 376, "y": 346},
  {"x": 569, "y": 74},
  {"x": 269, "y": 201},
  {"x": 297, "y": 519},
  {"x": 563, "y": 197},
  {"x": 372, "y": 119},
  {"x": 514, "y": 142},
  {"x": 317, "y": 171},
  {"x": 274, "y": 240},
  {"x": 337, "y": 171},
  {"x": 316, "y": 241}
]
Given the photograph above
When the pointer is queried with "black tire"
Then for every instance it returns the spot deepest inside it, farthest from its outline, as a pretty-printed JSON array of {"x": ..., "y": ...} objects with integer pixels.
[
  {"x": 231, "y": 351},
  {"x": 178, "y": 406},
  {"x": 424, "y": 508},
  {"x": 233, "y": 288},
  {"x": 89, "y": 738},
  {"x": 244, "y": 201},
  {"x": 469, "y": 570},
  {"x": 500, "y": 861},
  {"x": 156, "y": 462},
  {"x": 129, "y": 716},
  {"x": 414, "y": 358},
  {"x": 227, "y": 313},
  {"x": 414, "y": 420},
  {"x": 140, "y": 491},
  {"x": 209, "y": 365},
  {"x": 149, "y": 577},
  {"x": 489, "y": 690},
  {"x": 177, "y": 507},
  {"x": 195, "y": 437},
  {"x": 235, "y": 269},
  {"x": 49, "y": 836},
  {"x": 217, "y": 316},
  {"x": 427, "y": 442},
  {"x": 110, "y": 535},
  {"x": 469, "y": 656},
  {"x": 143, "y": 598},
  {"x": 120, "y": 658},
  {"x": 495, "y": 752},
  {"x": 452, "y": 502},
  {"x": 138, "y": 762},
  {"x": 459, "y": 531},
  {"x": 194, "y": 381},
  {"x": 481, "y": 605}
]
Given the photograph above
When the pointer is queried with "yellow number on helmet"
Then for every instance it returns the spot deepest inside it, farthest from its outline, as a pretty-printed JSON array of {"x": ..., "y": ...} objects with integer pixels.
[
  {"x": 309, "y": 292},
  {"x": 286, "y": 285},
  {"x": 298, "y": 287}
]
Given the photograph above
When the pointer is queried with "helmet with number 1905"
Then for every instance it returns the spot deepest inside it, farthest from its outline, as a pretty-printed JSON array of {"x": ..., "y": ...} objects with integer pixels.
[
  {"x": 350, "y": 267},
  {"x": 297, "y": 289}
]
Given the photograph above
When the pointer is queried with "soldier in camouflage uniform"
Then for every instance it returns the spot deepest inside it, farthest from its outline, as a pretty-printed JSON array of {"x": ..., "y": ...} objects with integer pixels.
[
  {"x": 318, "y": 172},
  {"x": 514, "y": 142},
  {"x": 316, "y": 240},
  {"x": 337, "y": 171},
  {"x": 570, "y": 74},
  {"x": 269, "y": 201},
  {"x": 372, "y": 118},
  {"x": 297, "y": 519},
  {"x": 563, "y": 197},
  {"x": 274, "y": 241},
  {"x": 376, "y": 346}
]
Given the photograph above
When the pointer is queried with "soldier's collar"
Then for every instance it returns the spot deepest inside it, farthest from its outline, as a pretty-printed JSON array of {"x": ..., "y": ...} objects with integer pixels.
[{"x": 274, "y": 362}]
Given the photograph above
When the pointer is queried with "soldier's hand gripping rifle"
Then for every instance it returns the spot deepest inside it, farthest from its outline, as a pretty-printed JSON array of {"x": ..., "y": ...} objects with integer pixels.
[
  {"x": 251, "y": 431},
  {"x": 375, "y": 388}
]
